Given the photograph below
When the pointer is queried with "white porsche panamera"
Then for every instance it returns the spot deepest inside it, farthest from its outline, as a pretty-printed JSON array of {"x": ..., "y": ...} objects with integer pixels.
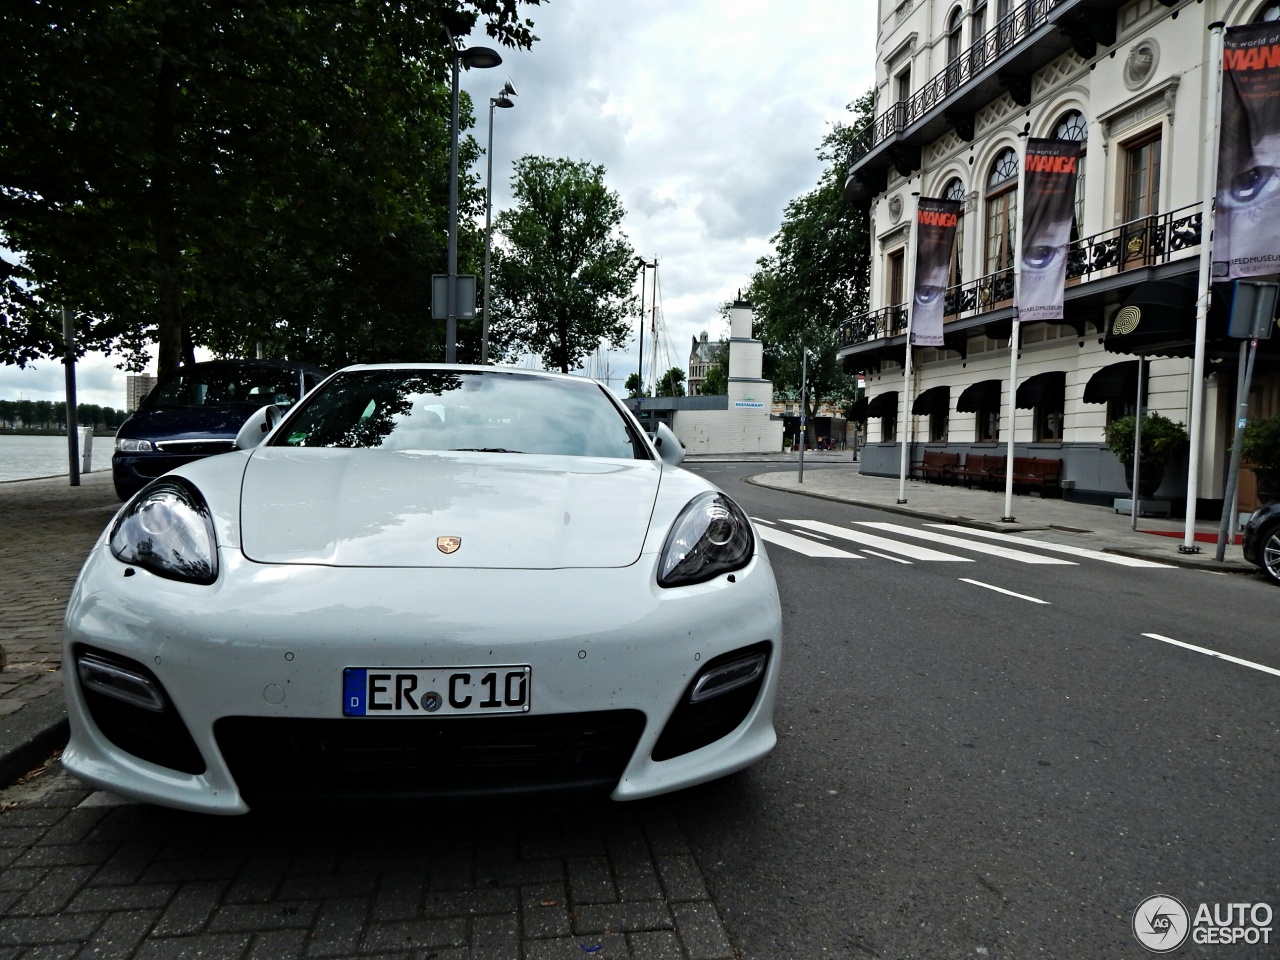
[{"x": 424, "y": 582}]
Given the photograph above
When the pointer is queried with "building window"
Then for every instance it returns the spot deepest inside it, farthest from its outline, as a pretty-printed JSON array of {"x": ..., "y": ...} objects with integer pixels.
[
  {"x": 902, "y": 85},
  {"x": 895, "y": 292},
  {"x": 955, "y": 27},
  {"x": 1048, "y": 422},
  {"x": 979, "y": 31},
  {"x": 1142, "y": 178},
  {"x": 888, "y": 429},
  {"x": 1073, "y": 126},
  {"x": 987, "y": 425},
  {"x": 938, "y": 426},
  {"x": 955, "y": 191},
  {"x": 1002, "y": 211}
]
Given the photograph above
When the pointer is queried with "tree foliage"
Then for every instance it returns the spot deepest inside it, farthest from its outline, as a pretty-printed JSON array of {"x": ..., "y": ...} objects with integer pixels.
[
  {"x": 816, "y": 278},
  {"x": 715, "y": 382},
  {"x": 563, "y": 270},
  {"x": 671, "y": 383},
  {"x": 227, "y": 175}
]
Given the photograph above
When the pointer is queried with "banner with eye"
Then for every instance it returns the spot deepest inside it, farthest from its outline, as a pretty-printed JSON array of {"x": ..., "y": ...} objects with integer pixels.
[
  {"x": 1049, "y": 195},
  {"x": 935, "y": 237},
  {"x": 1246, "y": 234}
]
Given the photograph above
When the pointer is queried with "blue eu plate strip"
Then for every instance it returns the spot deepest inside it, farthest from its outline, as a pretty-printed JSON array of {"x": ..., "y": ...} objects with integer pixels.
[{"x": 353, "y": 691}]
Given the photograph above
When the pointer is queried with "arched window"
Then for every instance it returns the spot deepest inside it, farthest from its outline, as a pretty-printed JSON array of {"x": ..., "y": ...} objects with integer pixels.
[
  {"x": 955, "y": 25},
  {"x": 1073, "y": 126},
  {"x": 954, "y": 190},
  {"x": 1002, "y": 211}
]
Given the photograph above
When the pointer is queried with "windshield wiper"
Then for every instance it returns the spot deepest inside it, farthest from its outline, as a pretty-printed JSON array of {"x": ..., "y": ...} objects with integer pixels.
[{"x": 484, "y": 450}]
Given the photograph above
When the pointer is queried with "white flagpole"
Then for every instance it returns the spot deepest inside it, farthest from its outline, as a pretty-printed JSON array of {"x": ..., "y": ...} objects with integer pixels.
[
  {"x": 1015, "y": 329},
  {"x": 905, "y": 422},
  {"x": 1209, "y": 164}
]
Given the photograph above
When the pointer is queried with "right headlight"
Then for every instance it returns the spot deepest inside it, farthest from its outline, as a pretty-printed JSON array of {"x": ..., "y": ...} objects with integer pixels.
[
  {"x": 125, "y": 445},
  {"x": 712, "y": 536},
  {"x": 167, "y": 529}
]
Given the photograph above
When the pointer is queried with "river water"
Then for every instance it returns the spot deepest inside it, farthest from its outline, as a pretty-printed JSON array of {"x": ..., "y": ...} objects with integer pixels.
[{"x": 25, "y": 458}]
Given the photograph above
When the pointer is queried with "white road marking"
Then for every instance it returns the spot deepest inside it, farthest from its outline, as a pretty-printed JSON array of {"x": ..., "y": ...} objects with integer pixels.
[
  {"x": 885, "y": 556},
  {"x": 883, "y": 543},
  {"x": 1053, "y": 547},
  {"x": 987, "y": 548},
  {"x": 1008, "y": 593},
  {"x": 809, "y": 548},
  {"x": 1214, "y": 653},
  {"x": 762, "y": 520}
]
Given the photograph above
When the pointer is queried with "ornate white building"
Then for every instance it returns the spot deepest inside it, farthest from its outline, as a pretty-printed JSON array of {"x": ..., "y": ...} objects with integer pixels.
[{"x": 960, "y": 85}]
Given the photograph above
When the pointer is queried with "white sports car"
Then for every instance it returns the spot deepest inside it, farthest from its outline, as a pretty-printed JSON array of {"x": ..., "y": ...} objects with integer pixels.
[{"x": 424, "y": 582}]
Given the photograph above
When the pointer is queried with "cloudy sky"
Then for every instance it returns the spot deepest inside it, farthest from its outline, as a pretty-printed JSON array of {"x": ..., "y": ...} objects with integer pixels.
[{"x": 705, "y": 114}]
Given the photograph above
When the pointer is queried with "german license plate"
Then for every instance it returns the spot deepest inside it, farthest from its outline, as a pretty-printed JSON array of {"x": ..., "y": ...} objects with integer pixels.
[{"x": 435, "y": 691}]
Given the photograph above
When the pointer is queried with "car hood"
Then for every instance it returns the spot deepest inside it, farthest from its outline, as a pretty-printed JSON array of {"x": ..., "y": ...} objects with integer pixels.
[
  {"x": 187, "y": 423},
  {"x": 391, "y": 508}
]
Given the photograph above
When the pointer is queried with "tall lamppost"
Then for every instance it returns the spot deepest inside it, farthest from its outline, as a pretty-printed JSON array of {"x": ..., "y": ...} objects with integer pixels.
[
  {"x": 503, "y": 99},
  {"x": 480, "y": 57}
]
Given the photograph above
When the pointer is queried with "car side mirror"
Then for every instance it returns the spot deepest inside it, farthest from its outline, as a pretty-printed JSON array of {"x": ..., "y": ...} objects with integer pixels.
[
  {"x": 256, "y": 428},
  {"x": 669, "y": 448}
]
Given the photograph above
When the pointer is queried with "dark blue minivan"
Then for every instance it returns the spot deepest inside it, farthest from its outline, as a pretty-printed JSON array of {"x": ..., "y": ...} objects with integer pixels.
[{"x": 198, "y": 412}]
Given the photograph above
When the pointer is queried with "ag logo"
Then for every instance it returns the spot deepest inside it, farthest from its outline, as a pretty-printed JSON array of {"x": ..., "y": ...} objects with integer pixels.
[{"x": 1161, "y": 923}]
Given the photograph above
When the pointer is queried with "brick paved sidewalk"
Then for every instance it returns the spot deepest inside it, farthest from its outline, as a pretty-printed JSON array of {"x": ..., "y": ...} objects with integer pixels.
[{"x": 46, "y": 530}]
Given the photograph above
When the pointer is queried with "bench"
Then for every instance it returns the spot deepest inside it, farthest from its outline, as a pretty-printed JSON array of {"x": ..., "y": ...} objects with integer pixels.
[
  {"x": 979, "y": 467},
  {"x": 936, "y": 463},
  {"x": 1033, "y": 472}
]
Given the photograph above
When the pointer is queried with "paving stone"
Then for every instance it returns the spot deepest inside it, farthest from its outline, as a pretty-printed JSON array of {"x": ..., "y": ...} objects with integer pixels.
[
  {"x": 338, "y": 929},
  {"x": 621, "y": 917},
  {"x": 414, "y": 935},
  {"x": 681, "y": 879},
  {"x": 95, "y": 899},
  {"x": 263, "y": 916},
  {"x": 399, "y": 896},
  {"x": 60, "y": 928},
  {"x": 591, "y": 880},
  {"x": 701, "y": 931},
  {"x": 120, "y": 935},
  {"x": 278, "y": 945},
  {"x": 190, "y": 909},
  {"x": 611, "y": 947},
  {"x": 544, "y": 910},
  {"x": 496, "y": 937},
  {"x": 655, "y": 945},
  {"x": 208, "y": 946}
]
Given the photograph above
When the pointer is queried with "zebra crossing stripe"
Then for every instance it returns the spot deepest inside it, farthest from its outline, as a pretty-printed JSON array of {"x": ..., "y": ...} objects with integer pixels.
[
  {"x": 880, "y": 543},
  {"x": 810, "y": 548},
  {"x": 987, "y": 548},
  {"x": 1054, "y": 547}
]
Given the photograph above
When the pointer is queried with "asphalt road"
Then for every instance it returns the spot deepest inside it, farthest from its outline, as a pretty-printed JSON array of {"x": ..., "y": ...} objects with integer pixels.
[
  {"x": 979, "y": 757},
  {"x": 964, "y": 772}
]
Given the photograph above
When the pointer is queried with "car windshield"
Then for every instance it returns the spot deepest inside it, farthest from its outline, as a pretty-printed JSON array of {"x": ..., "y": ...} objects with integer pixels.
[
  {"x": 491, "y": 411},
  {"x": 218, "y": 386}
]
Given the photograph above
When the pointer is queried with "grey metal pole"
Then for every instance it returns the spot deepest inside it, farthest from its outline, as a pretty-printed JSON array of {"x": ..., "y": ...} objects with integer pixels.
[
  {"x": 488, "y": 242},
  {"x": 1135, "y": 501},
  {"x": 1233, "y": 473},
  {"x": 804, "y": 373},
  {"x": 73, "y": 433},
  {"x": 451, "y": 321}
]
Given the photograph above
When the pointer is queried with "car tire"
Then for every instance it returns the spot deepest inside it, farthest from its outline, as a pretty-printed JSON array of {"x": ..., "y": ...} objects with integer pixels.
[{"x": 1269, "y": 553}]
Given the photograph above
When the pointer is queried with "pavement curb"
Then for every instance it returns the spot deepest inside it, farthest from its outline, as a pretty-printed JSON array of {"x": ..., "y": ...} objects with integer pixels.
[{"x": 29, "y": 735}]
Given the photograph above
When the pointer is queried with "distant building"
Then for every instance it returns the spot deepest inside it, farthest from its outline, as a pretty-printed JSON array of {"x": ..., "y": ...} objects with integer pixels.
[
  {"x": 701, "y": 356},
  {"x": 137, "y": 386}
]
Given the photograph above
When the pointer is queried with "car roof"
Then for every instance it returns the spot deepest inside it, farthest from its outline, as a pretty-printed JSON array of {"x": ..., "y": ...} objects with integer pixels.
[{"x": 472, "y": 368}]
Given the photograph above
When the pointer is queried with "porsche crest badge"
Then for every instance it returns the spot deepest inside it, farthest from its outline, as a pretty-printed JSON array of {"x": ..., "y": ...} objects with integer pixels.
[{"x": 448, "y": 544}]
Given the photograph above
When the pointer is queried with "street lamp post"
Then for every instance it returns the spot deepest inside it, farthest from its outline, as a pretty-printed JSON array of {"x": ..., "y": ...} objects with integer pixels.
[
  {"x": 503, "y": 99},
  {"x": 480, "y": 57}
]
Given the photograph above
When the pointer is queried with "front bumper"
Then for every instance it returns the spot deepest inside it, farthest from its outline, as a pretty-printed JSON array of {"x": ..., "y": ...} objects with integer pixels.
[{"x": 264, "y": 648}]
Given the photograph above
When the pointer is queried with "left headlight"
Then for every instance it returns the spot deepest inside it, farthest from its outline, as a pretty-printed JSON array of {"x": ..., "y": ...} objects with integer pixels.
[
  {"x": 167, "y": 529},
  {"x": 712, "y": 536}
]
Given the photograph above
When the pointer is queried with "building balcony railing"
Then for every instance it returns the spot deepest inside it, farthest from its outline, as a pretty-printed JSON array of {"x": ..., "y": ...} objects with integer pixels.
[{"x": 1145, "y": 242}]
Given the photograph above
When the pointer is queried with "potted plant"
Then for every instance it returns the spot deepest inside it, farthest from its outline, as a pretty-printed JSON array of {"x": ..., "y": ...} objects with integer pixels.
[
  {"x": 1162, "y": 438},
  {"x": 1260, "y": 448}
]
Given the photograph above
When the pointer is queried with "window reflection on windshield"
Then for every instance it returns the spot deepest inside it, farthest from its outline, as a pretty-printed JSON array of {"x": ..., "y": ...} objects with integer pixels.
[
  {"x": 203, "y": 388},
  {"x": 437, "y": 410}
]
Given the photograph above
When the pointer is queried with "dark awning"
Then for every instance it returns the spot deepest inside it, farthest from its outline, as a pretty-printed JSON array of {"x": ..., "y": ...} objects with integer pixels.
[
  {"x": 1043, "y": 390},
  {"x": 931, "y": 401},
  {"x": 1118, "y": 381},
  {"x": 983, "y": 395},
  {"x": 1157, "y": 318},
  {"x": 858, "y": 409},
  {"x": 883, "y": 405}
]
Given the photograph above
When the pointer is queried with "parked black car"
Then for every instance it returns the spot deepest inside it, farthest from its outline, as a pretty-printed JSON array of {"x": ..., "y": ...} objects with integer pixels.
[
  {"x": 1262, "y": 540},
  {"x": 198, "y": 412}
]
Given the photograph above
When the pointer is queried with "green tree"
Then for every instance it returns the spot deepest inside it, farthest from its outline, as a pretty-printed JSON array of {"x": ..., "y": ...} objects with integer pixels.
[
  {"x": 563, "y": 270},
  {"x": 224, "y": 174},
  {"x": 715, "y": 382},
  {"x": 671, "y": 383},
  {"x": 816, "y": 278},
  {"x": 632, "y": 386}
]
